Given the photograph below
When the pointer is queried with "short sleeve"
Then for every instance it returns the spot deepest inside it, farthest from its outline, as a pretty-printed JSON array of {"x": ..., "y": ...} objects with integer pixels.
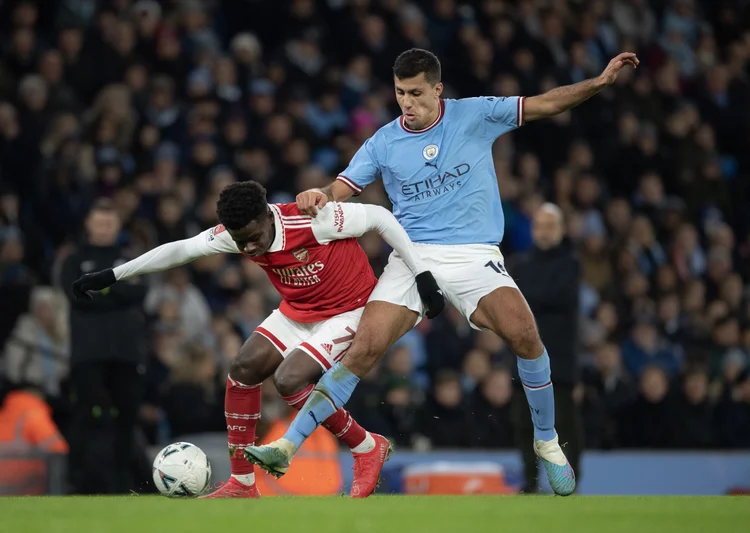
[
  {"x": 339, "y": 221},
  {"x": 500, "y": 114},
  {"x": 363, "y": 169}
]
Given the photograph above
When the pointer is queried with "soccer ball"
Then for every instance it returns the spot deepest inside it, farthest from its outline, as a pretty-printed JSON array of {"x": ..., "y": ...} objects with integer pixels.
[{"x": 181, "y": 470}]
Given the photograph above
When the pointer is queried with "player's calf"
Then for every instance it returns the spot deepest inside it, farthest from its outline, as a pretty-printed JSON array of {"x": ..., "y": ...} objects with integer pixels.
[
  {"x": 506, "y": 312},
  {"x": 370, "y": 451},
  {"x": 295, "y": 380},
  {"x": 256, "y": 361},
  {"x": 296, "y": 373}
]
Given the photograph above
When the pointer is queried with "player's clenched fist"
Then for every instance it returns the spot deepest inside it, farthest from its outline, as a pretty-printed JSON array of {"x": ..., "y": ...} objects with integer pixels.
[
  {"x": 310, "y": 201},
  {"x": 430, "y": 294},
  {"x": 96, "y": 281}
]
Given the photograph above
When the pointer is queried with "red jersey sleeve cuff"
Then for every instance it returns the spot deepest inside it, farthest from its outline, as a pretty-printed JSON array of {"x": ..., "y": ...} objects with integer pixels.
[{"x": 349, "y": 183}]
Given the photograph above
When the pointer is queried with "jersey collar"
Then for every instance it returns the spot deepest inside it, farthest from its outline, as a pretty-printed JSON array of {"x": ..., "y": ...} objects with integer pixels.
[
  {"x": 441, "y": 112},
  {"x": 279, "y": 240}
]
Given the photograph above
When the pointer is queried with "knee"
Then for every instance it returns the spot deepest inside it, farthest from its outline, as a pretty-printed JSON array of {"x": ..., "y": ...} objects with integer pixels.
[
  {"x": 289, "y": 380},
  {"x": 363, "y": 355},
  {"x": 526, "y": 343},
  {"x": 247, "y": 367}
]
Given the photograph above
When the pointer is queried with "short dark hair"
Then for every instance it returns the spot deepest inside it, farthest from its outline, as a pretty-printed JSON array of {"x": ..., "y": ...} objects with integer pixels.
[
  {"x": 241, "y": 203},
  {"x": 410, "y": 63}
]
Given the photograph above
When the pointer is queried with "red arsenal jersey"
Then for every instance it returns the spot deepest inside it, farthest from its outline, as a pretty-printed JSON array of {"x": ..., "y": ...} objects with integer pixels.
[{"x": 316, "y": 264}]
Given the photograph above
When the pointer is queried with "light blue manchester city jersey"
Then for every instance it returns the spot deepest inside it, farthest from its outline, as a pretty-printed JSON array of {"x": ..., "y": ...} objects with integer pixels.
[{"x": 441, "y": 180}]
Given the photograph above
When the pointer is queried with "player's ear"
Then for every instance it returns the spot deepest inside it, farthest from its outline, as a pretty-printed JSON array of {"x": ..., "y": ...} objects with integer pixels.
[{"x": 439, "y": 88}]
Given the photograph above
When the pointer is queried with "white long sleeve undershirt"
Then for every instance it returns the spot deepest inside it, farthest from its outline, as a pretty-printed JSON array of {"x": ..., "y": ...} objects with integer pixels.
[{"x": 335, "y": 221}]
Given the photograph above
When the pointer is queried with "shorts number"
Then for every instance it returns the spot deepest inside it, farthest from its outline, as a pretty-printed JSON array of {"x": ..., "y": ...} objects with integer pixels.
[{"x": 497, "y": 267}]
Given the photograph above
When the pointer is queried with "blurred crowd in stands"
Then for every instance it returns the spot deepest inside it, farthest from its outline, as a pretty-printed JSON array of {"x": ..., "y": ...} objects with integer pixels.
[{"x": 157, "y": 105}]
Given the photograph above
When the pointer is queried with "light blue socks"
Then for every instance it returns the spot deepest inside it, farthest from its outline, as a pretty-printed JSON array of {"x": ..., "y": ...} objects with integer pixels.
[
  {"x": 332, "y": 391},
  {"x": 537, "y": 383}
]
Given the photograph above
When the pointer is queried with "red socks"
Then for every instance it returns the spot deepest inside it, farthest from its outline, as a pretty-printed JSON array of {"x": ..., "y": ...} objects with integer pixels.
[
  {"x": 340, "y": 423},
  {"x": 242, "y": 412}
]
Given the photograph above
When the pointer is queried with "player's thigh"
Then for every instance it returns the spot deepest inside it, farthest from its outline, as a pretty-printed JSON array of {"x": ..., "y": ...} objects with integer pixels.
[
  {"x": 266, "y": 348},
  {"x": 505, "y": 311},
  {"x": 478, "y": 284},
  {"x": 382, "y": 324},
  {"x": 397, "y": 286},
  {"x": 330, "y": 339},
  {"x": 327, "y": 343}
]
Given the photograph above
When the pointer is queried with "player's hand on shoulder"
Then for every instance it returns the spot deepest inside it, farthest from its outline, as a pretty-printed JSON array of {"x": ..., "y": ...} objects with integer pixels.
[
  {"x": 430, "y": 293},
  {"x": 310, "y": 201},
  {"x": 95, "y": 281}
]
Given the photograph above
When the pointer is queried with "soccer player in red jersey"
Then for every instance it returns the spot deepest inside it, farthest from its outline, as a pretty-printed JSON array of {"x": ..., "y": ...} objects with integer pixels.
[{"x": 324, "y": 278}]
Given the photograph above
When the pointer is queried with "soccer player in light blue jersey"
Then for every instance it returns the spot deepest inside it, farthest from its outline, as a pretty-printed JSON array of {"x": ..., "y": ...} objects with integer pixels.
[{"x": 436, "y": 164}]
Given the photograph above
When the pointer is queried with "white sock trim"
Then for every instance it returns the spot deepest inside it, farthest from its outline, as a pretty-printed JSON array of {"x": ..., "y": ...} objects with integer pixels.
[{"x": 366, "y": 445}]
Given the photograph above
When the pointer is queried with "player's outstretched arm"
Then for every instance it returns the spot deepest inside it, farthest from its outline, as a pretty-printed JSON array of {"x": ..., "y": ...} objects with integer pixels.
[
  {"x": 164, "y": 257},
  {"x": 567, "y": 97},
  {"x": 341, "y": 221}
]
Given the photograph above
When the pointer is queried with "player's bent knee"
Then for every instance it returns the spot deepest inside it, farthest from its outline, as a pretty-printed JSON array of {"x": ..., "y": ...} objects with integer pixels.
[
  {"x": 298, "y": 371},
  {"x": 362, "y": 356},
  {"x": 247, "y": 366},
  {"x": 527, "y": 344},
  {"x": 289, "y": 381}
]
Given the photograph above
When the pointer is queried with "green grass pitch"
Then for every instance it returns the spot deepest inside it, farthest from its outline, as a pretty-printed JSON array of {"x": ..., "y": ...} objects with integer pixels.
[{"x": 381, "y": 514}]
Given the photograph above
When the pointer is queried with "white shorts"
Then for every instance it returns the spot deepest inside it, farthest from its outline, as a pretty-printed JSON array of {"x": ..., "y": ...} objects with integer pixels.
[
  {"x": 465, "y": 273},
  {"x": 326, "y": 341}
]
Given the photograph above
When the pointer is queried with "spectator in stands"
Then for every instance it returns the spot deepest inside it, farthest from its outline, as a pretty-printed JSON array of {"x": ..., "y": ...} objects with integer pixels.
[
  {"x": 733, "y": 413},
  {"x": 26, "y": 431},
  {"x": 726, "y": 341},
  {"x": 490, "y": 406},
  {"x": 192, "y": 308},
  {"x": 549, "y": 278},
  {"x": 608, "y": 390},
  {"x": 194, "y": 401},
  {"x": 398, "y": 409},
  {"x": 645, "y": 347},
  {"x": 38, "y": 350},
  {"x": 448, "y": 339},
  {"x": 366, "y": 404},
  {"x": 649, "y": 422},
  {"x": 107, "y": 335},
  {"x": 476, "y": 369},
  {"x": 694, "y": 413},
  {"x": 443, "y": 420}
]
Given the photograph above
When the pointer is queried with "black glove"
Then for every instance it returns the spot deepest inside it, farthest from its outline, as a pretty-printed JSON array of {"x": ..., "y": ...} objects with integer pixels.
[
  {"x": 96, "y": 281},
  {"x": 430, "y": 293}
]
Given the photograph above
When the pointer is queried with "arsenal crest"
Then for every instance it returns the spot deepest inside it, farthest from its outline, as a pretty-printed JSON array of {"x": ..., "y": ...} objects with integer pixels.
[{"x": 301, "y": 255}]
